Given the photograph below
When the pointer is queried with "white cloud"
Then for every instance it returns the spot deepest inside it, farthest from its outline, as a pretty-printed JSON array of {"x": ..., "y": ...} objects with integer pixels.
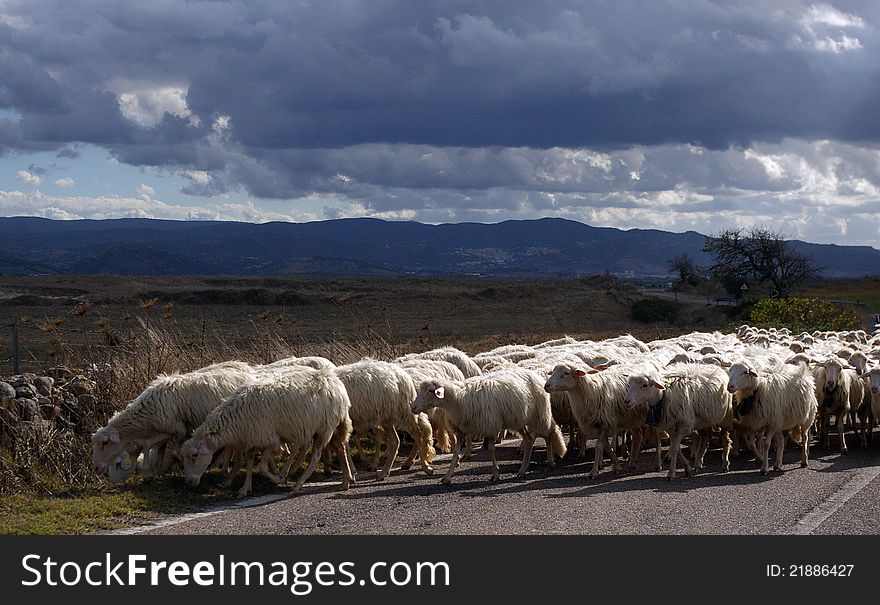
[
  {"x": 27, "y": 178},
  {"x": 824, "y": 26},
  {"x": 18, "y": 203},
  {"x": 145, "y": 190},
  {"x": 147, "y": 105},
  {"x": 66, "y": 182}
]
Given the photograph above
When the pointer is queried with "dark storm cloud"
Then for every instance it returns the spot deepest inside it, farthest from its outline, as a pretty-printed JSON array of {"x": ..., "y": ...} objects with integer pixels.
[{"x": 537, "y": 73}]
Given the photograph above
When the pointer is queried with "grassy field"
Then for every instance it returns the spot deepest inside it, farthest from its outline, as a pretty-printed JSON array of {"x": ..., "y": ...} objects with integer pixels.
[{"x": 865, "y": 290}]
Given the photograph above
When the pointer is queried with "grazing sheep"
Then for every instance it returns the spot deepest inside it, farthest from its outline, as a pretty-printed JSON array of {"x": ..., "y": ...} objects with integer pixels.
[
  {"x": 511, "y": 399},
  {"x": 164, "y": 414},
  {"x": 303, "y": 408},
  {"x": 688, "y": 398},
  {"x": 774, "y": 401},
  {"x": 381, "y": 394}
]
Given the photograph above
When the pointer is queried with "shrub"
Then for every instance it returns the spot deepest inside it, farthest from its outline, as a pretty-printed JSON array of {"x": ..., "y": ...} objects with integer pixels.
[
  {"x": 652, "y": 310},
  {"x": 803, "y": 314}
]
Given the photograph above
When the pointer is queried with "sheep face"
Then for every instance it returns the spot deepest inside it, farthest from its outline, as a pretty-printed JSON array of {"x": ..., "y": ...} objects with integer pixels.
[
  {"x": 742, "y": 378},
  {"x": 642, "y": 389},
  {"x": 429, "y": 396},
  {"x": 860, "y": 361},
  {"x": 196, "y": 458},
  {"x": 106, "y": 446},
  {"x": 123, "y": 465},
  {"x": 563, "y": 378},
  {"x": 833, "y": 369},
  {"x": 874, "y": 377}
]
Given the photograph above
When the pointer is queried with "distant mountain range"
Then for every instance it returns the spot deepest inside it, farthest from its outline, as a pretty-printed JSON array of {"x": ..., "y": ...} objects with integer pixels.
[{"x": 364, "y": 246}]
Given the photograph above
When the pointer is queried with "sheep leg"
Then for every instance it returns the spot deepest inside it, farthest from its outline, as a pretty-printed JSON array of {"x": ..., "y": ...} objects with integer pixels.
[
  {"x": 343, "y": 454},
  {"x": 469, "y": 448},
  {"x": 494, "y": 476},
  {"x": 638, "y": 442},
  {"x": 248, "y": 484},
  {"x": 317, "y": 448},
  {"x": 222, "y": 461},
  {"x": 352, "y": 469},
  {"x": 456, "y": 454},
  {"x": 689, "y": 471},
  {"x": 725, "y": 451},
  {"x": 378, "y": 438},
  {"x": 294, "y": 461},
  {"x": 582, "y": 445},
  {"x": 841, "y": 428},
  {"x": 614, "y": 461},
  {"x": 705, "y": 439},
  {"x": 658, "y": 449},
  {"x": 805, "y": 448},
  {"x": 327, "y": 461},
  {"x": 780, "y": 450},
  {"x": 598, "y": 453},
  {"x": 528, "y": 442},
  {"x": 151, "y": 468},
  {"x": 411, "y": 458},
  {"x": 361, "y": 452},
  {"x": 765, "y": 451},
  {"x": 392, "y": 439},
  {"x": 236, "y": 462},
  {"x": 265, "y": 462},
  {"x": 675, "y": 454}
]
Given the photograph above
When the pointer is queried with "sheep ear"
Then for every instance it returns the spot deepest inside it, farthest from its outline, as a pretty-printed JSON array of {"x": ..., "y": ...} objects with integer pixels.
[
  {"x": 751, "y": 372},
  {"x": 439, "y": 392},
  {"x": 603, "y": 366},
  {"x": 657, "y": 385},
  {"x": 582, "y": 373},
  {"x": 202, "y": 448}
]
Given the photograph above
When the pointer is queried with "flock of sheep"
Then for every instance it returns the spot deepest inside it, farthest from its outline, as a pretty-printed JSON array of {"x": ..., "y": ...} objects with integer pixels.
[{"x": 753, "y": 389}]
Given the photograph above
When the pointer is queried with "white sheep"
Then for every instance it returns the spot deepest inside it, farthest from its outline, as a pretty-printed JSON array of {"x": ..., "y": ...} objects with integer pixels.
[
  {"x": 688, "y": 398},
  {"x": 511, "y": 399},
  {"x": 596, "y": 397},
  {"x": 872, "y": 376},
  {"x": 302, "y": 408},
  {"x": 164, "y": 413},
  {"x": 381, "y": 394},
  {"x": 840, "y": 392},
  {"x": 774, "y": 401},
  {"x": 421, "y": 370}
]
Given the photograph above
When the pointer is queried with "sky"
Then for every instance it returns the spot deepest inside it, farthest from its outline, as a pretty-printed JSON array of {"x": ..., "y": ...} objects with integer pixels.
[{"x": 678, "y": 115}]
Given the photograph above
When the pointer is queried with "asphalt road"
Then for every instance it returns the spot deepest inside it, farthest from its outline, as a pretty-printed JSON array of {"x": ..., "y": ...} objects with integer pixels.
[{"x": 835, "y": 494}]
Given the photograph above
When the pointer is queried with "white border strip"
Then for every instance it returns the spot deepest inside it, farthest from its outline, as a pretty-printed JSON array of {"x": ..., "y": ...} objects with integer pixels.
[
  {"x": 816, "y": 517},
  {"x": 216, "y": 510}
]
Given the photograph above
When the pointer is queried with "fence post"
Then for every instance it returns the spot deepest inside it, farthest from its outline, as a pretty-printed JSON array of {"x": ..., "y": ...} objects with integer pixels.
[{"x": 15, "y": 359}]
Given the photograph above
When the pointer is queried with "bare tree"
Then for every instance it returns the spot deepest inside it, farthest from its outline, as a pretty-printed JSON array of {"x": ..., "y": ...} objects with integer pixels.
[
  {"x": 688, "y": 271},
  {"x": 760, "y": 256}
]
